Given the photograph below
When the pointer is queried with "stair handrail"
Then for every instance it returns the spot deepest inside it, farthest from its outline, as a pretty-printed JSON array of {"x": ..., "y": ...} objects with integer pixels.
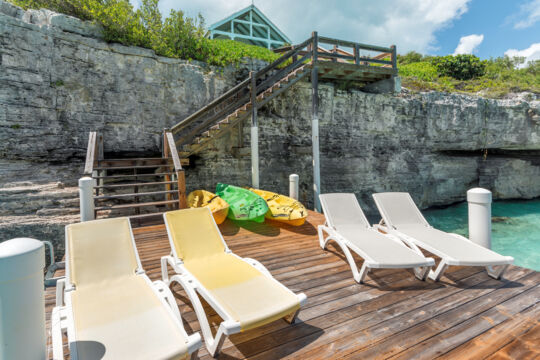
[
  {"x": 94, "y": 152},
  {"x": 295, "y": 50},
  {"x": 244, "y": 85},
  {"x": 228, "y": 94},
  {"x": 169, "y": 149}
]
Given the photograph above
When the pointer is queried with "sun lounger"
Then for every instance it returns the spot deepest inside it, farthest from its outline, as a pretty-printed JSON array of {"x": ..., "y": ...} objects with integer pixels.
[
  {"x": 108, "y": 306},
  {"x": 347, "y": 225},
  {"x": 403, "y": 218},
  {"x": 241, "y": 291}
]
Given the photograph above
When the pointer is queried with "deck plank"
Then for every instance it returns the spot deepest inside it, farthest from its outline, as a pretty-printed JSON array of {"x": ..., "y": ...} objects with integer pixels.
[{"x": 392, "y": 315}]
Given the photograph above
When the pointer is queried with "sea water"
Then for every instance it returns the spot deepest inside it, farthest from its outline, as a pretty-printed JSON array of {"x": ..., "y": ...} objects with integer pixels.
[{"x": 515, "y": 228}]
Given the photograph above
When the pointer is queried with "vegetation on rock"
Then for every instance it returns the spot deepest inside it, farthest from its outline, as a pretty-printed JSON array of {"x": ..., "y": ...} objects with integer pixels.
[
  {"x": 176, "y": 35},
  {"x": 468, "y": 74},
  {"x": 179, "y": 36}
]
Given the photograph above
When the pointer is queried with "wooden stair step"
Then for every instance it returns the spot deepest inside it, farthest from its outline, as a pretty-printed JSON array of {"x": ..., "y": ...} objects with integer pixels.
[
  {"x": 136, "y": 205},
  {"x": 142, "y": 216},
  {"x": 119, "y": 196},
  {"x": 132, "y": 167},
  {"x": 118, "y": 186},
  {"x": 132, "y": 175},
  {"x": 132, "y": 161}
]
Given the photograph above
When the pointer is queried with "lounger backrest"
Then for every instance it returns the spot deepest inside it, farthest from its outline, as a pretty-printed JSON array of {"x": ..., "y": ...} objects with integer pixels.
[
  {"x": 193, "y": 233},
  {"x": 342, "y": 209},
  {"x": 100, "y": 250},
  {"x": 398, "y": 209}
]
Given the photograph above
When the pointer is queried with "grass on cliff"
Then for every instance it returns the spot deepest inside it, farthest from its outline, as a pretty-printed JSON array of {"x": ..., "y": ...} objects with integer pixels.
[
  {"x": 498, "y": 77},
  {"x": 176, "y": 36},
  {"x": 179, "y": 36}
]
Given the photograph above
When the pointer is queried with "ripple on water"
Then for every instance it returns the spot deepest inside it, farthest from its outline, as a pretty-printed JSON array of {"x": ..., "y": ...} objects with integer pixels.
[{"x": 515, "y": 228}]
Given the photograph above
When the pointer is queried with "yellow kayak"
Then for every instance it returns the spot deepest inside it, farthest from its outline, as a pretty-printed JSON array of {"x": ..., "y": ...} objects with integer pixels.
[
  {"x": 203, "y": 198},
  {"x": 283, "y": 208}
]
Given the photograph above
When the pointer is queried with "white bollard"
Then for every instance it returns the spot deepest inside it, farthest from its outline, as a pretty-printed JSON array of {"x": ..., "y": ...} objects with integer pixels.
[
  {"x": 86, "y": 198},
  {"x": 293, "y": 186},
  {"x": 22, "y": 300},
  {"x": 480, "y": 216}
]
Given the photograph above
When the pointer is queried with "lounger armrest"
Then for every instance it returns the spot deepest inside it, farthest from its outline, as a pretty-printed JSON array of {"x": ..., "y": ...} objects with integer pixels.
[
  {"x": 60, "y": 286},
  {"x": 169, "y": 260},
  {"x": 257, "y": 265},
  {"x": 194, "y": 343}
]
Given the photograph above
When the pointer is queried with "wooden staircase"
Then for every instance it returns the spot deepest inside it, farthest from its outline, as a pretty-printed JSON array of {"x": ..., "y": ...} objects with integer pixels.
[
  {"x": 198, "y": 130},
  {"x": 140, "y": 188},
  {"x": 146, "y": 187}
]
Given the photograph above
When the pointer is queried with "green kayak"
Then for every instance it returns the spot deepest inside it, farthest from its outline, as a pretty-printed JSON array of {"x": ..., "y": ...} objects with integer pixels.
[{"x": 243, "y": 204}]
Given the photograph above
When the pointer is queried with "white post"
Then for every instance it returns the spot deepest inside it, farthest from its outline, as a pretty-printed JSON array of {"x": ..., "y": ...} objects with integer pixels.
[
  {"x": 480, "y": 216},
  {"x": 255, "y": 157},
  {"x": 316, "y": 163},
  {"x": 86, "y": 198},
  {"x": 22, "y": 300},
  {"x": 254, "y": 134},
  {"x": 293, "y": 186}
]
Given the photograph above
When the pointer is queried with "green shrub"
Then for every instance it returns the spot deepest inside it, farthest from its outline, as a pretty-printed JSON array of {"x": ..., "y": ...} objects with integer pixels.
[
  {"x": 461, "y": 67},
  {"x": 175, "y": 36},
  {"x": 421, "y": 70},
  {"x": 409, "y": 58}
]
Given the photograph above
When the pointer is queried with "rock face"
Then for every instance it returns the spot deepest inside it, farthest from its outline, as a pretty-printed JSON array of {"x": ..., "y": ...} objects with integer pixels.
[{"x": 59, "y": 81}]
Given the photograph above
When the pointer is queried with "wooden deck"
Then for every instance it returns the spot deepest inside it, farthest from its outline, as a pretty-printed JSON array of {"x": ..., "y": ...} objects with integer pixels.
[{"x": 393, "y": 315}]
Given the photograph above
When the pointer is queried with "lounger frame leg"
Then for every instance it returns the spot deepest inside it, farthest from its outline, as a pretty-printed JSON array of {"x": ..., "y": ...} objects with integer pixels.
[
  {"x": 436, "y": 275},
  {"x": 56, "y": 333},
  {"x": 213, "y": 344},
  {"x": 421, "y": 273},
  {"x": 496, "y": 273},
  {"x": 358, "y": 276}
]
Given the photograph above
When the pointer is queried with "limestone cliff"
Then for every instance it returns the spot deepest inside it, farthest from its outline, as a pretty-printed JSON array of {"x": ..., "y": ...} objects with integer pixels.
[{"x": 59, "y": 80}]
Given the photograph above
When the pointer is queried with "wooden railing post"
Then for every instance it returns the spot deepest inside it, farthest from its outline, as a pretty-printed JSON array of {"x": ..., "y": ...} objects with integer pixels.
[
  {"x": 181, "y": 179},
  {"x": 356, "y": 54},
  {"x": 394, "y": 57},
  {"x": 254, "y": 133}
]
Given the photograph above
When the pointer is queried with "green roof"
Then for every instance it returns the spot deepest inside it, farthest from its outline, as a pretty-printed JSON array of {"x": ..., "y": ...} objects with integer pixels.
[{"x": 251, "y": 26}]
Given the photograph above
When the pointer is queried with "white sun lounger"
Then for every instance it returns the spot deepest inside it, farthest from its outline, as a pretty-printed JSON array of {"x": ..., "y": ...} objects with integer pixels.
[
  {"x": 403, "y": 218},
  {"x": 347, "y": 225},
  {"x": 241, "y": 290},
  {"x": 107, "y": 304}
]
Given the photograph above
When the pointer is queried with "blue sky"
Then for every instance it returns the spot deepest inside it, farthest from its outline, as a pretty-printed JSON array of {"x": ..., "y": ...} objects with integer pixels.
[{"x": 487, "y": 28}]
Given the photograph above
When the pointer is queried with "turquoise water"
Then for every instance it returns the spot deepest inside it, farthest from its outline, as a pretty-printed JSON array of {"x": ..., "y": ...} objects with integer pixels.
[{"x": 515, "y": 228}]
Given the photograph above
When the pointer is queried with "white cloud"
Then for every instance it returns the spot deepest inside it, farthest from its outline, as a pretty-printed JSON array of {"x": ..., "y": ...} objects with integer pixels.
[
  {"x": 530, "y": 54},
  {"x": 468, "y": 44},
  {"x": 528, "y": 15},
  {"x": 409, "y": 24}
]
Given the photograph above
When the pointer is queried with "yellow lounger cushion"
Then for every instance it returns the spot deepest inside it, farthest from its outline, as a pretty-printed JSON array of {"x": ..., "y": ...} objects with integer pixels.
[
  {"x": 124, "y": 319},
  {"x": 194, "y": 233},
  {"x": 103, "y": 250},
  {"x": 250, "y": 297}
]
